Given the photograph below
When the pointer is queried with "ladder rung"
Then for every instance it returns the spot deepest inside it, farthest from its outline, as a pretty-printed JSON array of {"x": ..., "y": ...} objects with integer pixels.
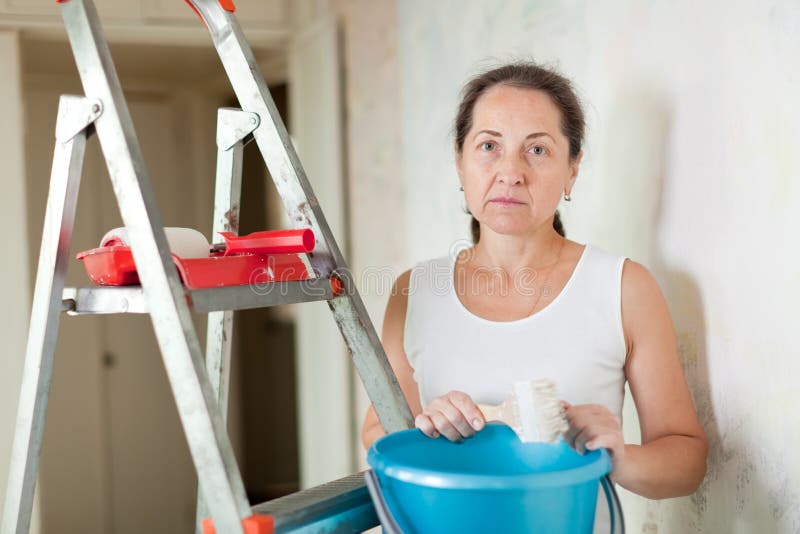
[
  {"x": 343, "y": 505},
  {"x": 130, "y": 299}
]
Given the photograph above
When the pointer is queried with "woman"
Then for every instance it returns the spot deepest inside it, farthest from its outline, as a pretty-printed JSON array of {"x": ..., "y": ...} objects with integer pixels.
[{"x": 525, "y": 302}]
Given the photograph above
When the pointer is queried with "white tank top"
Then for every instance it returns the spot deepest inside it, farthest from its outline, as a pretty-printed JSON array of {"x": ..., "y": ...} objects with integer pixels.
[{"x": 576, "y": 340}]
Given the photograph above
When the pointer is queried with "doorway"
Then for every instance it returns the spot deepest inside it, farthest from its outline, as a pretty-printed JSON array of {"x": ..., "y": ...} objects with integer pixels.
[{"x": 114, "y": 456}]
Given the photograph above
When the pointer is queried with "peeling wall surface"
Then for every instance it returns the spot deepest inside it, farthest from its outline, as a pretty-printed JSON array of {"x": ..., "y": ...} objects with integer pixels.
[{"x": 691, "y": 168}]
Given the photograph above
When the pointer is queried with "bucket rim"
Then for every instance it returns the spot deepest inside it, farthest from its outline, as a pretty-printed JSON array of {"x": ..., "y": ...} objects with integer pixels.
[{"x": 594, "y": 469}]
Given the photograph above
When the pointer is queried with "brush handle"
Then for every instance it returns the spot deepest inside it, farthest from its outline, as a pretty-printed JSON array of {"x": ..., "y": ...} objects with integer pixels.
[
  {"x": 267, "y": 242},
  {"x": 495, "y": 413}
]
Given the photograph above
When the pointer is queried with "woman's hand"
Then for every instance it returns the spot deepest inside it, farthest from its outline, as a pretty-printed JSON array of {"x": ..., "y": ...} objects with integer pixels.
[
  {"x": 453, "y": 415},
  {"x": 592, "y": 427}
]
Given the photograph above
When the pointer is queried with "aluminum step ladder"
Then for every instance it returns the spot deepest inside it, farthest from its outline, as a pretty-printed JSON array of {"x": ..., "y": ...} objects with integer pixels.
[{"x": 199, "y": 387}]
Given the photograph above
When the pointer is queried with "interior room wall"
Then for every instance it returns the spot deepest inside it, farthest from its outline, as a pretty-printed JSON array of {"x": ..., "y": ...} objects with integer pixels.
[
  {"x": 376, "y": 187},
  {"x": 690, "y": 169},
  {"x": 114, "y": 454},
  {"x": 16, "y": 274},
  {"x": 324, "y": 386}
]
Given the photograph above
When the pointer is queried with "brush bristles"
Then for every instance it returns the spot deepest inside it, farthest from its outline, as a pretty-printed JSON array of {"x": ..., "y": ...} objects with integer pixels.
[{"x": 537, "y": 414}]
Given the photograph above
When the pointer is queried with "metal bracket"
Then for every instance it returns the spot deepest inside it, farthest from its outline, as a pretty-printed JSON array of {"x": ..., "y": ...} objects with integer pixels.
[
  {"x": 234, "y": 125},
  {"x": 103, "y": 300},
  {"x": 76, "y": 113}
]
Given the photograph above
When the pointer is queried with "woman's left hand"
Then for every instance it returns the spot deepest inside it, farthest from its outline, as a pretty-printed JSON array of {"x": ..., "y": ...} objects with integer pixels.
[{"x": 592, "y": 427}]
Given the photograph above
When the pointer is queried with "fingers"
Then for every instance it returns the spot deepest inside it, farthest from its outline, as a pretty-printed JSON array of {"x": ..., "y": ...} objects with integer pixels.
[
  {"x": 435, "y": 425},
  {"x": 424, "y": 423},
  {"x": 446, "y": 427},
  {"x": 577, "y": 417},
  {"x": 603, "y": 441},
  {"x": 583, "y": 436},
  {"x": 454, "y": 416},
  {"x": 593, "y": 427},
  {"x": 469, "y": 409}
]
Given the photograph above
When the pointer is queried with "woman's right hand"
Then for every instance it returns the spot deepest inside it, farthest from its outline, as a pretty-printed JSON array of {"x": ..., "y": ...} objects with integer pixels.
[{"x": 453, "y": 415}]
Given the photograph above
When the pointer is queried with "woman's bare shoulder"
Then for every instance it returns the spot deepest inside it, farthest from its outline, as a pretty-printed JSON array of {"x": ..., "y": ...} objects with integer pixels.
[
  {"x": 402, "y": 282},
  {"x": 644, "y": 308},
  {"x": 639, "y": 286},
  {"x": 397, "y": 304}
]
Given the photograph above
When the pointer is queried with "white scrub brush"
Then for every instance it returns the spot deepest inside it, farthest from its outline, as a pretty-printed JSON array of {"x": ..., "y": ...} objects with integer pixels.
[{"x": 533, "y": 410}]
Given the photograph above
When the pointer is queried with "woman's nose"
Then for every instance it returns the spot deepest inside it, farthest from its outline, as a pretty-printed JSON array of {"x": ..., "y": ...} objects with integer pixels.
[
  {"x": 511, "y": 171},
  {"x": 511, "y": 179}
]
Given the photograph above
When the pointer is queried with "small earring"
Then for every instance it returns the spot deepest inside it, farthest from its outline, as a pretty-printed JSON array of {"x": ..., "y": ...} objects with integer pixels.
[
  {"x": 461, "y": 188},
  {"x": 567, "y": 197}
]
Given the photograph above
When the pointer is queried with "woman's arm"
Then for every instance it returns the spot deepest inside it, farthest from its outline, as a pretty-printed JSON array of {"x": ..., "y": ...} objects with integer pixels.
[
  {"x": 671, "y": 461},
  {"x": 453, "y": 415},
  {"x": 393, "y": 324}
]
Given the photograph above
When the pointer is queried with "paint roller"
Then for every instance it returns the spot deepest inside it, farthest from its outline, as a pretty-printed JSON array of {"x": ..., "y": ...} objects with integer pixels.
[{"x": 189, "y": 243}]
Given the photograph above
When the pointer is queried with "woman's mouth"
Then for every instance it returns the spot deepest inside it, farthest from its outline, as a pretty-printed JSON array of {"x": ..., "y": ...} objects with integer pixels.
[{"x": 507, "y": 201}]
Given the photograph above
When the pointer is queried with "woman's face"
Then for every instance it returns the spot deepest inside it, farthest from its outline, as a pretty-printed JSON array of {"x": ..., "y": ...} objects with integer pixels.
[{"x": 514, "y": 165}]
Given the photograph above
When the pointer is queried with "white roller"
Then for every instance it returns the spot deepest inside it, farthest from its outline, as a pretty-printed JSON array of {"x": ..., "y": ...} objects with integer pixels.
[{"x": 183, "y": 242}]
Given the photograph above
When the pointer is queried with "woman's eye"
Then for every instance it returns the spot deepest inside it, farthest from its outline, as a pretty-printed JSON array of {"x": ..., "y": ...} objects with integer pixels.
[
  {"x": 538, "y": 150},
  {"x": 488, "y": 146}
]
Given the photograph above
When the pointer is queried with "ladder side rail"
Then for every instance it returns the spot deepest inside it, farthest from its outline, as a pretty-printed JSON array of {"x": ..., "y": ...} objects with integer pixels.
[
  {"x": 304, "y": 210},
  {"x": 232, "y": 126},
  {"x": 208, "y": 441},
  {"x": 342, "y": 505},
  {"x": 75, "y": 114}
]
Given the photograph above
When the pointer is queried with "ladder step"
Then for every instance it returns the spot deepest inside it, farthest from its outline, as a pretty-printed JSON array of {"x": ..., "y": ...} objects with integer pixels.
[
  {"x": 340, "y": 506},
  {"x": 130, "y": 299}
]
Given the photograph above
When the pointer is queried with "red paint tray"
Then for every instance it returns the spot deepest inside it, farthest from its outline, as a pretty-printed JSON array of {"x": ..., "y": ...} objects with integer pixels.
[{"x": 257, "y": 258}]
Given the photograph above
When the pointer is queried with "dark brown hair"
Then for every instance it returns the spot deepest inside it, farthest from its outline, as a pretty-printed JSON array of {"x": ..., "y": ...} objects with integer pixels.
[{"x": 525, "y": 75}]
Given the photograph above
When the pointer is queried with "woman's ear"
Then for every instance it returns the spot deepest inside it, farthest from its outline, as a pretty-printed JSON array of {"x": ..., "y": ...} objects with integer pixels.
[
  {"x": 457, "y": 154},
  {"x": 574, "y": 168}
]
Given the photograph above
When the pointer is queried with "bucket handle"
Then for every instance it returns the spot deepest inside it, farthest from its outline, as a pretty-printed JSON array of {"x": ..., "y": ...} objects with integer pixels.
[
  {"x": 381, "y": 508},
  {"x": 614, "y": 506},
  {"x": 390, "y": 525}
]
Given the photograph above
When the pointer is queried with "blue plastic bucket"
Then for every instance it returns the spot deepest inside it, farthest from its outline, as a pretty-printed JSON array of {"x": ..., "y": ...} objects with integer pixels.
[{"x": 491, "y": 482}]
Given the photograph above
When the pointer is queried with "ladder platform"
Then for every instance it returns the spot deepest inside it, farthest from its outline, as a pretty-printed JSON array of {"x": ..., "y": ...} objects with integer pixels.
[
  {"x": 130, "y": 299},
  {"x": 343, "y": 505}
]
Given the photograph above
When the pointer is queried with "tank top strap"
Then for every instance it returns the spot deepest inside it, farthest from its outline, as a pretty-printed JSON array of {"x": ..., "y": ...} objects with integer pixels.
[
  {"x": 598, "y": 284},
  {"x": 428, "y": 287}
]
